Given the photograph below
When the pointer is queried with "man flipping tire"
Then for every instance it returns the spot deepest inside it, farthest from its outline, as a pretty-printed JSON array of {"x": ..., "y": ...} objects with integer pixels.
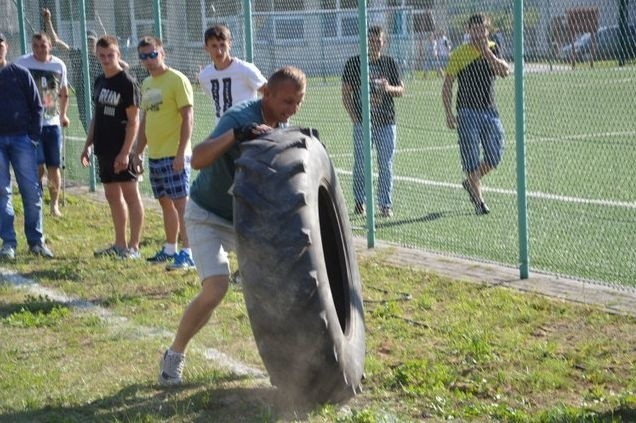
[{"x": 210, "y": 214}]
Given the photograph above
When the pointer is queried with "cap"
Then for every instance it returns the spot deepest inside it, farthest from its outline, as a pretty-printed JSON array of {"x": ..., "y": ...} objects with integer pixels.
[
  {"x": 91, "y": 34},
  {"x": 2, "y": 37}
]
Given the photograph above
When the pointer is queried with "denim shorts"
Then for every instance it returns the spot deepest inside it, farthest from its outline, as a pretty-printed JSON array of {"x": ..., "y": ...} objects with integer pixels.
[
  {"x": 211, "y": 238},
  {"x": 50, "y": 148},
  {"x": 165, "y": 182},
  {"x": 480, "y": 128}
]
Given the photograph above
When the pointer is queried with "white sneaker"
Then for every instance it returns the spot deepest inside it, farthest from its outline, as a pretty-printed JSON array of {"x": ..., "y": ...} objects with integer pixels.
[
  {"x": 7, "y": 252},
  {"x": 171, "y": 368}
]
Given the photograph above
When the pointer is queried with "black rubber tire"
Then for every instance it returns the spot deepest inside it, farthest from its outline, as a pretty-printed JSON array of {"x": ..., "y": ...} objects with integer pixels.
[{"x": 300, "y": 275}]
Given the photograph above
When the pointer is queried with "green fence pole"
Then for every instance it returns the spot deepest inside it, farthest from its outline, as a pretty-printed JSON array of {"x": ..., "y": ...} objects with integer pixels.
[
  {"x": 247, "y": 23},
  {"x": 23, "y": 38},
  {"x": 623, "y": 31},
  {"x": 366, "y": 119},
  {"x": 156, "y": 11},
  {"x": 86, "y": 81},
  {"x": 520, "y": 128}
]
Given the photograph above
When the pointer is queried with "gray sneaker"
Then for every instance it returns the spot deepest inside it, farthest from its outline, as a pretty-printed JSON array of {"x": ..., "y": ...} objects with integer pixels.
[
  {"x": 112, "y": 251},
  {"x": 171, "y": 369},
  {"x": 7, "y": 253},
  {"x": 41, "y": 250}
]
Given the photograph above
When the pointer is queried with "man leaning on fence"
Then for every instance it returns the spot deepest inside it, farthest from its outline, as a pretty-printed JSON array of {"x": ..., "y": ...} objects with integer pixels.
[
  {"x": 475, "y": 65},
  {"x": 20, "y": 131}
]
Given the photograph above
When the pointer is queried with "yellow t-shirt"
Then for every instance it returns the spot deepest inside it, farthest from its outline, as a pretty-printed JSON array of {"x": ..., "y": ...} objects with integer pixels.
[{"x": 161, "y": 99}]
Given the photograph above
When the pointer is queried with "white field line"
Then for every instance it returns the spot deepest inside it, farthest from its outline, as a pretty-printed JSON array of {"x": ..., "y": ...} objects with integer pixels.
[
  {"x": 530, "y": 138},
  {"x": 407, "y": 150},
  {"x": 120, "y": 323},
  {"x": 532, "y": 194},
  {"x": 583, "y": 136}
]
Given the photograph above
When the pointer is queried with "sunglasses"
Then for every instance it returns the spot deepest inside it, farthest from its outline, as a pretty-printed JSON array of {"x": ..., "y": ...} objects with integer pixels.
[{"x": 151, "y": 55}]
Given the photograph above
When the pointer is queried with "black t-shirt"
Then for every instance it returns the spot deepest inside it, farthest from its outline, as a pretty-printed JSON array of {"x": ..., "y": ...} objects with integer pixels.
[
  {"x": 476, "y": 79},
  {"x": 111, "y": 97},
  {"x": 382, "y": 106}
]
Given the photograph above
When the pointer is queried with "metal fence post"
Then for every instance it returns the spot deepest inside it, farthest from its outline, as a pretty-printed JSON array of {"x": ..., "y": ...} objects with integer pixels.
[
  {"x": 21, "y": 17},
  {"x": 247, "y": 23},
  {"x": 156, "y": 11},
  {"x": 366, "y": 120},
  {"x": 522, "y": 203}
]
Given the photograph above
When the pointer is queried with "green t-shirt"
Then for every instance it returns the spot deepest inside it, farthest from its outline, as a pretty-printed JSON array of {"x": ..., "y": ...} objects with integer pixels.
[{"x": 210, "y": 189}]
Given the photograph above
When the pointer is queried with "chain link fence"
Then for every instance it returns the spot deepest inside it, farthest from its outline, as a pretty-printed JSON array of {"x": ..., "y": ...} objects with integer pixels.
[{"x": 579, "y": 77}]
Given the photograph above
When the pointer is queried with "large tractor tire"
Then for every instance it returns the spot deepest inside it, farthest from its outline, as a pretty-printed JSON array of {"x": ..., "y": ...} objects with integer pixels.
[{"x": 297, "y": 260}]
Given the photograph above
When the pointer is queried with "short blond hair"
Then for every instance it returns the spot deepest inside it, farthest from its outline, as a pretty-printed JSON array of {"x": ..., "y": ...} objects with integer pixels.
[{"x": 287, "y": 73}]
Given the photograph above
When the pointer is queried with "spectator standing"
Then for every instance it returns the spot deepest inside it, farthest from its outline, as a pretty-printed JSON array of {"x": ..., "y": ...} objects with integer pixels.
[
  {"x": 227, "y": 80},
  {"x": 112, "y": 133},
  {"x": 210, "y": 211},
  {"x": 476, "y": 65},
  {"x": 385, "y": 85},
  {"x": 20, "y": 131},
  {"x": 166, "y": 128},
  {"x": 430, "y": 53},
  {"x": 76, "y": 76},
  {"x": 49, "y": 74}
]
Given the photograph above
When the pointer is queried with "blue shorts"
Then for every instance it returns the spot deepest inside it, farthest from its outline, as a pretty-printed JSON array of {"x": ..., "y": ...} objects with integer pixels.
[
  {"x": 50, "y": 148},
  {"x": 165, "y": 182},
  {"x": 479, "y": 128}
]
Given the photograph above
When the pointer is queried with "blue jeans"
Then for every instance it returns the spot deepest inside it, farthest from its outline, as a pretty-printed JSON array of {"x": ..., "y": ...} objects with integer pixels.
[
  {"x": 384, "y": 140},
  {"x": 21, "y": 153},
  {"x": 480, "y": 128}
]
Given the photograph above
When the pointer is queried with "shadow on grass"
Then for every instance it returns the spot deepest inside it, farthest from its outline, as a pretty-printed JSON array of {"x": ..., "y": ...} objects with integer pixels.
[
  {"x": 62, "y": 272},
  {"x": 621, "y": 414},
  {"x": 189, "y": 402},
  {"x": 430, "y": 217},
  {"x": 32, "y": 304}
]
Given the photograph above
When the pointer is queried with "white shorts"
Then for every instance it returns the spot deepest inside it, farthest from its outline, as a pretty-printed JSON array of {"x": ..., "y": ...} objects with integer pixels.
[{"x": 211, "y": 238}]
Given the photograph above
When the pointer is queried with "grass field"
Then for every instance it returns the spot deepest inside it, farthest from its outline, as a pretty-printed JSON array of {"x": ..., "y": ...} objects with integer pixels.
[
  {"x": 82, "y": 339},
  {"x": 581, "y": 181}
]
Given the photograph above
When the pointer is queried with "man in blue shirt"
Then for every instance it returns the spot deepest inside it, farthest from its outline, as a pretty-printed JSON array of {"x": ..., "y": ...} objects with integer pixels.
[
  {"x": 20, "y": 131},
  {"x": 209, "y": 210}
]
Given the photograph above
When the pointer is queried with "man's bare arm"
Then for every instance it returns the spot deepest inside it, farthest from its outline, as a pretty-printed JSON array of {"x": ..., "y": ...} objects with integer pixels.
[{"x": 50, "y": 30}]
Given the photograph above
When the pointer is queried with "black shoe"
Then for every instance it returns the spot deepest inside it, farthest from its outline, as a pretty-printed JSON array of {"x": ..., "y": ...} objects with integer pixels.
[
  {"x": 360, "y": 208},
  {"x": 481, "y": 208},
  {"x": 386, "y": 212},
  {"x": 473, "y": 198}
]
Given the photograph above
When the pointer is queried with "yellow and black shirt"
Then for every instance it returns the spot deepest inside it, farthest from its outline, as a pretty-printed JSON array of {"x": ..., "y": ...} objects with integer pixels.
[{"x": 475, "y": 77}]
